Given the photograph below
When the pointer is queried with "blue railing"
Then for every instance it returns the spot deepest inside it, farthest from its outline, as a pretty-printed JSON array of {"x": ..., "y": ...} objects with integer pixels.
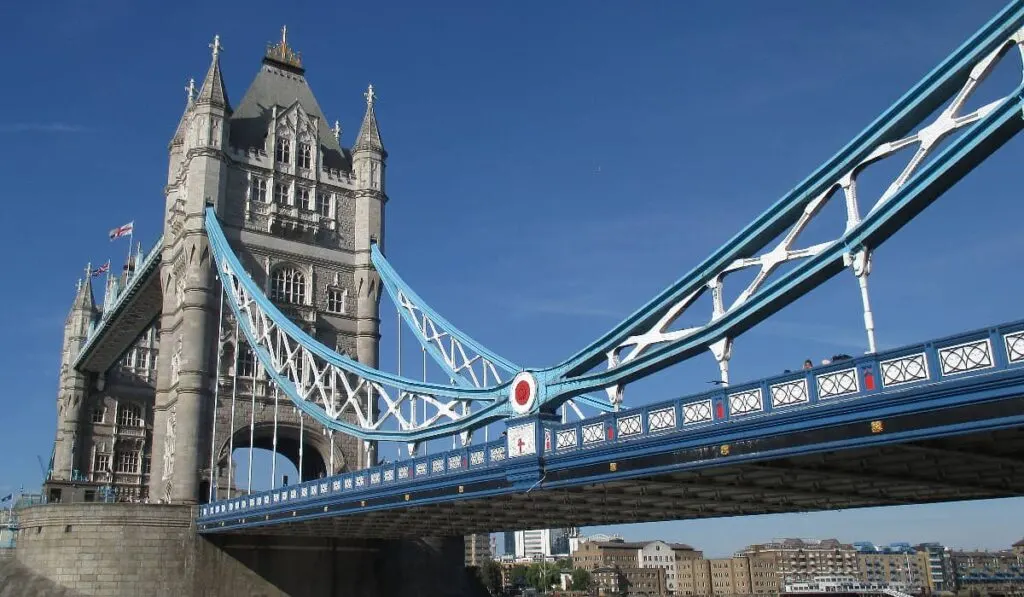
[{"x": 972, "y": 354}]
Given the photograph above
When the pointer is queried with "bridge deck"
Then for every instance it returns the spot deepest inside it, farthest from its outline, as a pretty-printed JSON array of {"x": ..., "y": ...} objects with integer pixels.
[
  {"x": 931, "y": 422},
  {"x": 975, "y": 466}
]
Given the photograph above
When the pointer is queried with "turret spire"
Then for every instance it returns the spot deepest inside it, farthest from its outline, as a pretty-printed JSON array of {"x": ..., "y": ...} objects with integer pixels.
[
  {"x": 83, "y": 295},
  {"x": 190, "y": 89},
  {"x": 212, "y": 91},
  {"x": 369, "y": 132}
]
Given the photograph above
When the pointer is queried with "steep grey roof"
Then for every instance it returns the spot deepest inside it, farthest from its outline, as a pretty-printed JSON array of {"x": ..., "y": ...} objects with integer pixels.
[
  {"x": 278, "y": 85},
  {"x": 212, "y": 91},
  {"x": 369, "y": 132},
  {"x": 83, "y": 298}
]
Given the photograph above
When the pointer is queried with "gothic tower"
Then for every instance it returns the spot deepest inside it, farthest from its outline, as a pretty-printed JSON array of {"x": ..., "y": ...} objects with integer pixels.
[
  {"x": 74, "y": 385},
  {"x": 301, "y": 212}
]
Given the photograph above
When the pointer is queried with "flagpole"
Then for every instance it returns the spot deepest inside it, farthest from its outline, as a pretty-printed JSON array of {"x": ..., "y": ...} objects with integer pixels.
[{"x": 131, "y": 241}]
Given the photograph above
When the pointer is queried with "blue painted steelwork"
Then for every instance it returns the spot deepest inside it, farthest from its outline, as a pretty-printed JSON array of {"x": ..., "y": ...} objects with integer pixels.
[
  {"x": 980, "y": 134},
  {"x": 242, "y": 290},
  {"x": 401, "y": 293},
  {"x": 967, "y": 369},
  {"x": 142, "y": 270},
  {"x": 973, "y": 146}
]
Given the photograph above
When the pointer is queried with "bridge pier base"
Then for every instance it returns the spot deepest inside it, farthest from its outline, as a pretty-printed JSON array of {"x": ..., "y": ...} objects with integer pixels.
[{"x": 115, "y": 550}]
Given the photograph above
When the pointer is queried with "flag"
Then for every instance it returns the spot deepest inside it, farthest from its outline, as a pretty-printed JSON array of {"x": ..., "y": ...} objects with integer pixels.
[
  {"x": 6, "y": 498},
  {"x": 125, "y": 230},
  {"x": 99, "y": 271}
]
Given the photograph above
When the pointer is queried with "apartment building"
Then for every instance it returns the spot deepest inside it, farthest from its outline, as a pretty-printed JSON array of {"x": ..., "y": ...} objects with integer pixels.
[
  {"x": 799, "y": 559},
  {"x": 989, "y": 571},
  {"x": 897, "y": 564},
  {"x": 478, "y": 549},
  {"x": 738, "y": 575},
  {"x": 647, "y": 567}
]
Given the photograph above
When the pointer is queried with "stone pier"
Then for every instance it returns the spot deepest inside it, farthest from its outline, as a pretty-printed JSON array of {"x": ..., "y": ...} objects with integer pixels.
[{"x": 115, "y": 550}]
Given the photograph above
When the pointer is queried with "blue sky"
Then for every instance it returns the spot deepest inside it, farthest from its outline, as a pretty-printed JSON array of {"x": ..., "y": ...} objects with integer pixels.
[{"x": 552, "y": 166}]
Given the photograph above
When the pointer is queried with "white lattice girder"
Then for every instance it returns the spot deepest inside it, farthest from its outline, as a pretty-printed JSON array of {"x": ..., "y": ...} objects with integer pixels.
[
  {"x": 461, "y": 357},
  {"x": 342, "y": 394},
  {"x": 477, "y": 369},
  {"x": 927, "y": 139}
]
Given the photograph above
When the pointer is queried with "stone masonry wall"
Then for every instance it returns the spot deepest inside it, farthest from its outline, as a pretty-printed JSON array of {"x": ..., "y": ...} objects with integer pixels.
[
  {"x": 110, "y": 549},
  {"x": 127, "y": 550}
]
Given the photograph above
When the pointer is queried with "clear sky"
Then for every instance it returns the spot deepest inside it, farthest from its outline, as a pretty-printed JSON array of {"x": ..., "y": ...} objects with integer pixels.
[{"x": 553, "y": 165}]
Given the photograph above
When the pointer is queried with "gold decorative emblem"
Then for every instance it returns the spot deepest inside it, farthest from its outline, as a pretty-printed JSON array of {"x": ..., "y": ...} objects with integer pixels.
[
  {"x": 613, "y": 466},
  {"x": 877, "y": 427},
  {"x": 724, "y": 449}
]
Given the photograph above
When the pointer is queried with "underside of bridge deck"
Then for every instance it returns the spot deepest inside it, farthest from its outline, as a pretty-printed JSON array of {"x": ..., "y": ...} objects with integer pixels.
[{"x": 976, "y": 466}]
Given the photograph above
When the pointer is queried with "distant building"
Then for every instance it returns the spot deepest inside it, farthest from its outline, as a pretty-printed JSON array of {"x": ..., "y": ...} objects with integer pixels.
[
  {"x": 647, "y": 567},
  {"x": 989, "y": 571},
  {"x": 738, "y": 575},
  {"x": 898, "y": 564},
  {"x": 608, "y": 580},
  {"x": 1018, "y": 548},
  {"x": 541, "y": 543},
  {"x": 798, "y": 559},
  {"x": 577, "y": 540},
  {"x": 939, "y": 571},
  {"x": 478, "y": 549},
  {"x": 510, "y": 543}
]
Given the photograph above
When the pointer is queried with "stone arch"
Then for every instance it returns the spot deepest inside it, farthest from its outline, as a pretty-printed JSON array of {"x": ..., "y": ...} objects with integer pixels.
[{"x": 316, "y": 448}]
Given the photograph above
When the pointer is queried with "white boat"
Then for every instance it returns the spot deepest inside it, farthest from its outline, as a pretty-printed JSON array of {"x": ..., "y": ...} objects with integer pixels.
[{"x": 842, "y": 585}]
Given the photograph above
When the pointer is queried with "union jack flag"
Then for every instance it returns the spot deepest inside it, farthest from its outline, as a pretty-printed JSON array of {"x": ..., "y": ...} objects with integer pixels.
[
  {"x": 120, "y": 231},
  {"x": 99, "y": 271}
]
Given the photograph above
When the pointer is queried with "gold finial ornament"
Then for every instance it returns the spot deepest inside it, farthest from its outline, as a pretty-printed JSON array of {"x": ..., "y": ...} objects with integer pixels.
[{"x": 283, "y": 53}]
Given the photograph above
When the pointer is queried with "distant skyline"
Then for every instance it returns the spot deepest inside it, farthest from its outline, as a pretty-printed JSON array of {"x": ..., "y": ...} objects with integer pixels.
[
  {"x": 552, "y": 166},
  {"x": 806, "y": 528}
]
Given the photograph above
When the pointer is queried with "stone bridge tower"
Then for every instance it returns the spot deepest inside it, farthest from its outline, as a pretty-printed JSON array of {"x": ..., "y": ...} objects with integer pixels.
[{"x": 300, "y": 212}]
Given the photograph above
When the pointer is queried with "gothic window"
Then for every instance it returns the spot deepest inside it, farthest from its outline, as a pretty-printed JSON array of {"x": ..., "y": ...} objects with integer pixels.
[
  {"x": 258, "y": 189},
  {"x": 336, "y": 298},
  {"x": 147, "y": 464},
  {"x": 128, "y": 462},
  {"x": 130, "y": 416},
  {"x": 101, "y": 463},
  {"x": 98, "y": 414},
  {"x": 246, "y": 362},
  {"x": 281, "y": 193},
  {"x": 324, "y": 204},
  {"x": 288, "y": 285},
  {"x": 305, "y": 155},
  {"x": 304, "y": 198},
  {"x": 283, "y": 150}
]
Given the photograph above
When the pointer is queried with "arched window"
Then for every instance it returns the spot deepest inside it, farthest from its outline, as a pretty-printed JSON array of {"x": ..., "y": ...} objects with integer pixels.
[
  {"x": 288, "y": 285},
  {"x": 130, "y": 416}
]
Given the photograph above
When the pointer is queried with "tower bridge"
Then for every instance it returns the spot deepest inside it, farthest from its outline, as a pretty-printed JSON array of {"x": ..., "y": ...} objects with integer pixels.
[{"x": 255, "y": 322}]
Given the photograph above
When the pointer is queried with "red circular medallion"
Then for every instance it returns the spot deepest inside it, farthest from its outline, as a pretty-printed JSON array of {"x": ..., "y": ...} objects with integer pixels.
[{"x": 522, "y": 392}]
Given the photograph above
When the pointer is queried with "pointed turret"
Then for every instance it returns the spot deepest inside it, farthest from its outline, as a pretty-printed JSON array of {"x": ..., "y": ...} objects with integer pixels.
[
  {"x": 369, "y": 133},
  {"x": 73, "y": 384},
  {"x": 84, "y": 302},
  {"x": 212, "y": 92},
  {"x": 190, "y": 101}
]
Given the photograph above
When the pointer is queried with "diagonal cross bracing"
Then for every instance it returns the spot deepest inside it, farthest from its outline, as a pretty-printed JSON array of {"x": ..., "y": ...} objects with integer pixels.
[
  {"x": 332, "y": 388},
  {"x": 470, "y": 363},
  {"x": 645, "y": 342}
]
